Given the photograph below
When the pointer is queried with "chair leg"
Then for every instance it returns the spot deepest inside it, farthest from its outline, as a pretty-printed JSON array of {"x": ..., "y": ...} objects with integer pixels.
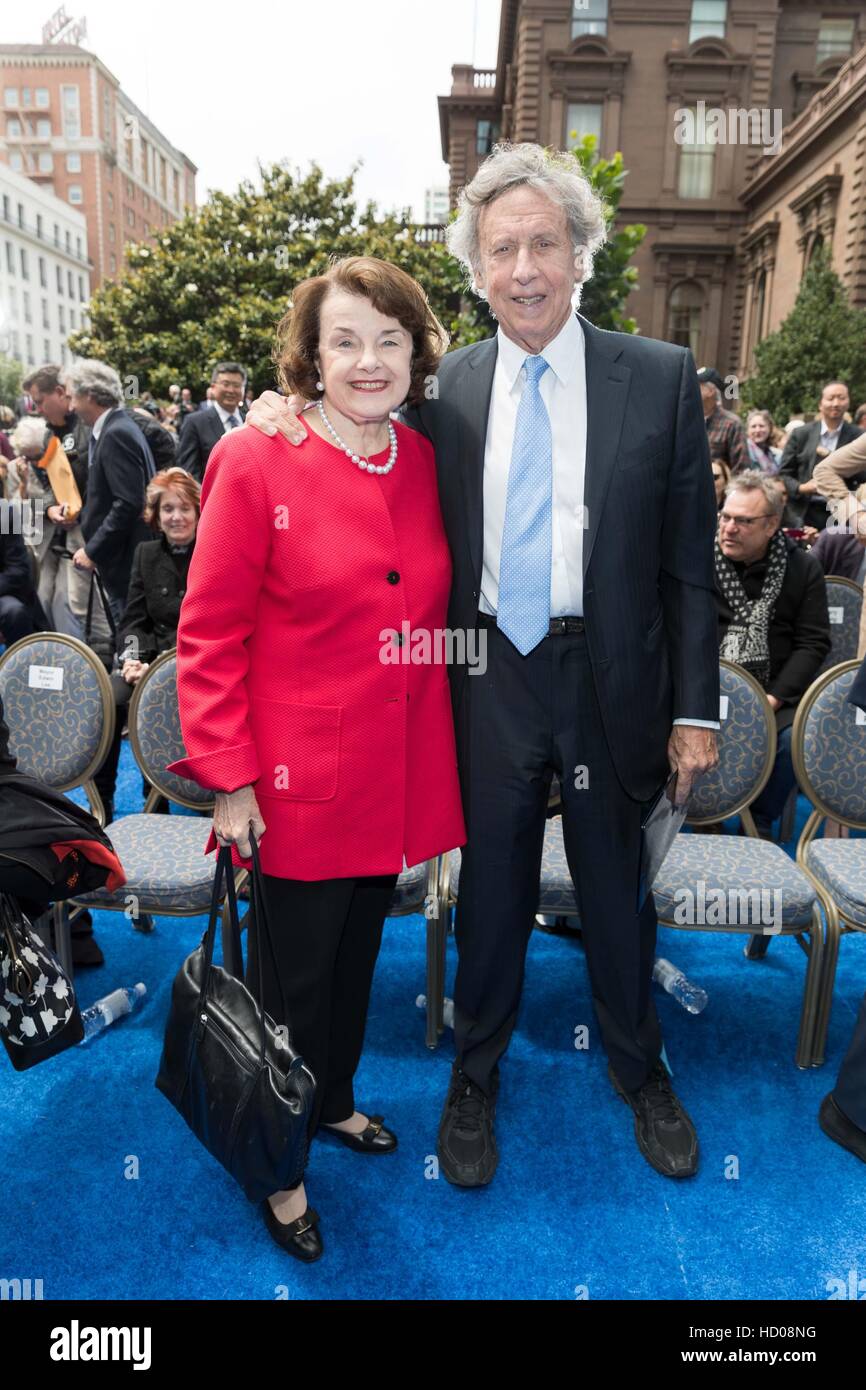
[
  {"x": 828, "y": 980},
  {"x": 811, "y": 993},
  {"x": 789, "y": 813},
  {"x": 434, "y": 1005}
]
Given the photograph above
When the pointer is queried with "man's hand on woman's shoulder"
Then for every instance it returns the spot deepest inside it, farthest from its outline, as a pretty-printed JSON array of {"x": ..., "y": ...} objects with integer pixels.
[{"x": 272, "y": 414}]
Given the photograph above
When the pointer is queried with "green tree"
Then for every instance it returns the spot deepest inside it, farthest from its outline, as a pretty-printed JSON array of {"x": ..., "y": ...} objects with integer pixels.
[
  {"x": 603, "y": 300},
  {"x": 10, "y": 380},
  {"x": 822, "y": 339}
]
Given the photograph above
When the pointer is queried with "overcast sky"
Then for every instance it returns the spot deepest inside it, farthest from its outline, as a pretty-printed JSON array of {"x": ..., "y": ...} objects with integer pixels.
[{"x": 335, "y": 80}]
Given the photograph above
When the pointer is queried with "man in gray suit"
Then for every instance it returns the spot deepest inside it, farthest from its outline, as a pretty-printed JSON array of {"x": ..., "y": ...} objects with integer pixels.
[
  {"x": 809, "y": 445},
  {"x": 578, "y": 500}
]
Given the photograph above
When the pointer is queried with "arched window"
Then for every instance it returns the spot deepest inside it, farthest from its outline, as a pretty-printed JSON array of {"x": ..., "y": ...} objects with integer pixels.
[{"x": 685, "y": 311}]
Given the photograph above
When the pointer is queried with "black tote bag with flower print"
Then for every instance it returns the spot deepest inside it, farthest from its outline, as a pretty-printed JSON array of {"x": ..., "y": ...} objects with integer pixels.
[{"x": 39, "y": 1016}]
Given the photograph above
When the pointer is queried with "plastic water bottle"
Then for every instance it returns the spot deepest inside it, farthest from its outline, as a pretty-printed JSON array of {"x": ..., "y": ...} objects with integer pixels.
[
  {"x": 671, "y": 979},
  {"x": 105, "y": 1011},
  {"x": 447, "y": 1009}
]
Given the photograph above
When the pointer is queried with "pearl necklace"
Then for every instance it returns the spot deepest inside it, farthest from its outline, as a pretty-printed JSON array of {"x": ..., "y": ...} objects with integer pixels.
[{"x": 356, "y": 458}]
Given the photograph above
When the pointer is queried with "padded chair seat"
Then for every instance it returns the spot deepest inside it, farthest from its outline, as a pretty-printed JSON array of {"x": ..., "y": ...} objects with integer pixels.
[
  {"x": 556, "y": 897},
  {"x": 734, "y": 864},
  {"x": 840, "y": 866},
  {"x": 164, "y": 861},
  {"x": 410, "y": 890}
]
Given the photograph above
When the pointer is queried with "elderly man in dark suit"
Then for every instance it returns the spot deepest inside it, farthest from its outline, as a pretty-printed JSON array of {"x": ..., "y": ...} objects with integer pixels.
[
  {"x": 807, "y": 446},
  {"x": 120, "y": 466},
  {"x": 202, "y": 428},
  {"x": 578, "y": 501}
]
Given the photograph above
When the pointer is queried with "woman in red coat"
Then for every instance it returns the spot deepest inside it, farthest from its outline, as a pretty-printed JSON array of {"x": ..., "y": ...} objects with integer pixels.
[{"x": 297, "y": 703}]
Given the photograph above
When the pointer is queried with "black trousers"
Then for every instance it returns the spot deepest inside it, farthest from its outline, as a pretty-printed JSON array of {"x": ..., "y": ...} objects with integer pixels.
[
  {"x": 325, "y": 936},
  {"x": 521, "y": 720},
  {"x": 850, "y": 1089}
]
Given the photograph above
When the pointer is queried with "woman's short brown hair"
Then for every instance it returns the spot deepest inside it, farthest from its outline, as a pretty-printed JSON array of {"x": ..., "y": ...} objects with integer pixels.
[
  {"x": 170, "y": 480},
  {"x": 390, "y": 290}
]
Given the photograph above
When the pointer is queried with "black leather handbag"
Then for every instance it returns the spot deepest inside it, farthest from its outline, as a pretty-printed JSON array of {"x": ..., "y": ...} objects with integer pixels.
[
  {"x": 229, "y": 1070},
  {"x": 39, "y": 1015}
]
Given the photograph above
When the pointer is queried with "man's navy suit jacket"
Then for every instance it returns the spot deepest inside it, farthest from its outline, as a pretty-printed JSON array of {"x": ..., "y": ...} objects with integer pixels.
[{"x": 650, "y": 512}]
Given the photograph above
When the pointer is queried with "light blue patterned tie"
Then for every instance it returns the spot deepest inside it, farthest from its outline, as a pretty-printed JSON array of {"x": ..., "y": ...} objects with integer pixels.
[{"x": 523, "y": 610}]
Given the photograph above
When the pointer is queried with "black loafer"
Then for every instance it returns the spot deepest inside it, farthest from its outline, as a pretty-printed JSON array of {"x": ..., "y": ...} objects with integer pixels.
[
  {"x": 300, "y": 1238},
  {"x": 375, "y": 1139},
  {"x": 665, "y": 1135},
  {"x": 837, "y": 1126}
]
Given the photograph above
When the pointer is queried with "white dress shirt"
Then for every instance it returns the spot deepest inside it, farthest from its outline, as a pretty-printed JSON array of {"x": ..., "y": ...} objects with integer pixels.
[
  {"x": 97, "y": 427},
  {"x": 225, "y": 414},
  {"x": 563, "y": 390}
]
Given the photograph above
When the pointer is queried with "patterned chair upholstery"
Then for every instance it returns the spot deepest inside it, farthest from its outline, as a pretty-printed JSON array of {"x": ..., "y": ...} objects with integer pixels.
[
  {"x": 156, "y": 739},
  {"x": 721, "y": 876},
  {"x": 844, "y": 602},
  {"x": 829, "y": 752}
]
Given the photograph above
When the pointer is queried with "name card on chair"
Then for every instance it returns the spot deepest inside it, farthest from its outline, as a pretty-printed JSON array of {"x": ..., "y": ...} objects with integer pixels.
[
  {"x": 45, "y": 677},
  {"x": 837, "y": 615},
  {"x": 859, "y": 715},
  {"x": 723, "y": 706}
]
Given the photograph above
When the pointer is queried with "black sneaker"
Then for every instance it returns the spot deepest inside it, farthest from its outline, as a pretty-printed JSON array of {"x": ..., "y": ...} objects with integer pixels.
[
  {"x": 837, "y": 1126},
  {"x": 665, "y": 1135},
  {"x": 466, "y": 1145}
]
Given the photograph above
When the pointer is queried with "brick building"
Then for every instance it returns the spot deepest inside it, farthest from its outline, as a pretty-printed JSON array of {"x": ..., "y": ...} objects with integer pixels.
[
  {"x": 68, "y": 125},
  {"x": 732, "y": 204}
]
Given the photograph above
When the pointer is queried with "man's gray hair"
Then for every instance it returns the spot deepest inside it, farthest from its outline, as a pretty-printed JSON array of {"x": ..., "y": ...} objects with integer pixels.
[
  {"x": 28, "y": 434},
  {"x": 554, "y": 173},
  {"x": 756, "y": 482},
  {"x": 95, "y": 379}
]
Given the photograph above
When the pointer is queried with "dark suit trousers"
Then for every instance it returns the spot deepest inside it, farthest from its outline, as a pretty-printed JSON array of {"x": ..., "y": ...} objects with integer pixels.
[
  {"x": 522, "y": 719},
  {"x": 850, "y": 1089},
  {"x": 325, "y": 936}
]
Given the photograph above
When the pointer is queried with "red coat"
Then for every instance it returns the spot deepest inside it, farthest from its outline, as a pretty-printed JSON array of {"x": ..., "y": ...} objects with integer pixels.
[{"x": 301, "y": 562}]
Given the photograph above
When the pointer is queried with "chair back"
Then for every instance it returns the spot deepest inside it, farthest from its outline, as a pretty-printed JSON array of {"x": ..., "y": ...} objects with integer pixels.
[
  {"x": 747, "y": 749},
  {"x": 59, "y": 705},
  {"x": 155, "y": 733},
  {"x": 844, "y": 602},
  {"x": 828, "y": 747}
]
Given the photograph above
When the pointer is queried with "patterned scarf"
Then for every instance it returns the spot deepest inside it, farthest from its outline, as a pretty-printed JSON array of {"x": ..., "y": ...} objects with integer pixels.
[{"x": 746, "y": 641}]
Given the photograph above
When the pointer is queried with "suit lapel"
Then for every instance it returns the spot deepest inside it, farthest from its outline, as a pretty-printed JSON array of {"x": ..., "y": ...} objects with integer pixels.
[
  {"x": 607, "y": 387},
  {"x": 476, "y": 387}
]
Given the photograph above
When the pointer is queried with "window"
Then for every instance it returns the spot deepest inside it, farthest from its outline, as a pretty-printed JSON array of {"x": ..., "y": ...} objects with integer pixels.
[
  {"x": 78, "y": 251},
  {"x": 130, "y": 217},
  {"x": 46, "y": 321},
  {"x": 46, "y": 348},
  {"x": 110, "y": 201},
  {"x": 73, "y": 164},
  {"x": 760, "y": 304},
  {"x": 835, "y": 39},
  {"x": 111, "y": 233},
  {"x": 684, "y": 316},
  {"x": 25, "y": 268},
  {"x": 71, "y": 113},
  {"x": 43, "y": 128},
  {"x": 61, "y": 318},
  {"x": 73, "y": 193},
  {"x": 584, "y": 118},
  {"x": 14, "y": 342},
  {"x": 16, "y": 162},
  {"x": 6, "y": 212},
  {"x": 10, "y": 96},
  {"x": 70, "y": 284},
  {"x": 39, "y": 225},
  {"x": 71, "y": 318},
  {"x": 25, "y": 299},
  {"x": 113, "y": 263},
  {"x": 13, "y": 128},
  {"x": 106, "y": 116},
  {"x": 43, "y": 273},
  {"x": 63, "y": 354},
  {"x": 46, "y": 163},
  {"x": 59, "y": 279},
  {"x": 588, "y": 17},
  {"x": 696, "y": 161},
  {"x": 42, "y": 98},
  {"x": 31, "y": 360},
  {"x": 25, "y": 96},
  {"x": 68, "y": 243},
  {"x": 20, "y": 214},
  {"x": 486, "y": 135},
  {"x": 708, "y": 19},
  {"x": 81, "y": 288},
  {"x": 10, "y": 258}
]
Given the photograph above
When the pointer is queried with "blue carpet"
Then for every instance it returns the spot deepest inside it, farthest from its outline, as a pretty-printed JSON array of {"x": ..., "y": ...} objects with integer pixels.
[{"x": 114, "y": 1198}]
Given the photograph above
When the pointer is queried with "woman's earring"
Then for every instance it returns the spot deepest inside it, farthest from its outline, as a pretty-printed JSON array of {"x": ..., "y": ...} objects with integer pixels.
[{"x": 320, "y": 386}]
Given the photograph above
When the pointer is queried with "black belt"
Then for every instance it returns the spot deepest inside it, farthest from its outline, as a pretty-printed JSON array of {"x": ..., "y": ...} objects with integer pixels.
[{"x": 559, "y": 627}]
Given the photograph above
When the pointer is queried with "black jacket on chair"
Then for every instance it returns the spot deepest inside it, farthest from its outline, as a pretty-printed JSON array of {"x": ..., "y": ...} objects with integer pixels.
[
  {"x": 798, "y": 464},
  {"x": 16, "y": 572},
  {"x": 112, "y": 519},
  {"x": 799, "y": 637},
  {"x": 156, "y": 590},
  {"x": 199, "y": 433}
]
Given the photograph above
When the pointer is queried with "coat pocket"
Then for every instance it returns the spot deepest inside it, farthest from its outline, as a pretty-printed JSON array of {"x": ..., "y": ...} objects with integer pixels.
[{"x": 298, "y": 748}]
